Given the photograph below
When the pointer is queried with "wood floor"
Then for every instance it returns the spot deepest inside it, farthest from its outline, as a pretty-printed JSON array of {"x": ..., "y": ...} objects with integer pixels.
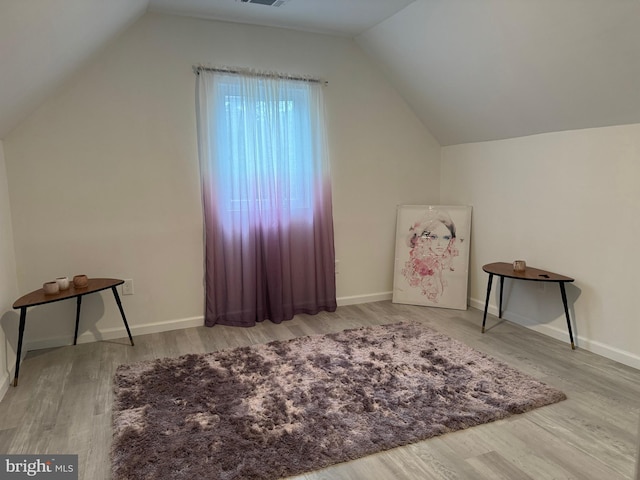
[{"x": 63, "y": 402}]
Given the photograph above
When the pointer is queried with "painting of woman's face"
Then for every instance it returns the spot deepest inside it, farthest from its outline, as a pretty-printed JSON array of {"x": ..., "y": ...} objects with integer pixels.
[
  {"x": 432, "y": 255},
  {"x": 437, "y": 240}
]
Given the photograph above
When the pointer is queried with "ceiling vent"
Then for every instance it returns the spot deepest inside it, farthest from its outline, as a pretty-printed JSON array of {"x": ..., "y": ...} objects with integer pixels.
[{"x": 269, "y": 3}]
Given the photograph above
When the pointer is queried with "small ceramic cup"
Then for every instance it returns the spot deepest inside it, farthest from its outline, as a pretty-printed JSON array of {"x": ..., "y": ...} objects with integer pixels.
[
  {"x": 519, "y": 266},
  {"x": 63, "y": 283},
  {"x": 80, "y": 281},
  {"x": 51, "y": 288}
]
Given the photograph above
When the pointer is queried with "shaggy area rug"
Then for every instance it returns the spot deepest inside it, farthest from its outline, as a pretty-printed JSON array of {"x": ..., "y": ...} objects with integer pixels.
[{"x": 287, "y": 407}]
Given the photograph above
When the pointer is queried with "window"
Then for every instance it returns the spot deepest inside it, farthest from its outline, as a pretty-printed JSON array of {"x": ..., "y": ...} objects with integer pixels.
[
  {"x": 266, "y": 198},
  {"x": 264, "y": 145}
]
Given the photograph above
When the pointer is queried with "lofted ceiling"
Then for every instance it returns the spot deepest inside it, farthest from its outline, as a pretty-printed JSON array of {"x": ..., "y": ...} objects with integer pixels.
[
  {"x": 472, "y": 70},
  {"x": 42, "y": 43},
  {"x": 477, "y": 70}
]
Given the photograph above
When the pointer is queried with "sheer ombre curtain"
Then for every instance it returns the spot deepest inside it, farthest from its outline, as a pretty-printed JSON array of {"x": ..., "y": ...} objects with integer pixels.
[{"x": 269, "y": 251}]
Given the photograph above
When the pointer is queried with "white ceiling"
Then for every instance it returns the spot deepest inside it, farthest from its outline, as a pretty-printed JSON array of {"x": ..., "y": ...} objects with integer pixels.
[
  {"x": 472, "y": 70},
  {"x": 338, "y": 17},
  {"x": 477, "y": 70},
  {"x": 43, "y": 42}
]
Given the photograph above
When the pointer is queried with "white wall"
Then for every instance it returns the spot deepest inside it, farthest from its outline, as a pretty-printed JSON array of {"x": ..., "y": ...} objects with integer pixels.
[
  {"x": 568, "y": 202},
  {"x": 8, "y": 285},
  {"x": 638, "y": 456},
  {"x": 104, "y": 176}
]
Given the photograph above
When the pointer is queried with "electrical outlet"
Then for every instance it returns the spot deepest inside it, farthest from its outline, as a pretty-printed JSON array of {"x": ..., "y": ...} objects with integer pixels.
[
  {"x": 337, "y": 267},
  {"x": 127, "y": 287}
]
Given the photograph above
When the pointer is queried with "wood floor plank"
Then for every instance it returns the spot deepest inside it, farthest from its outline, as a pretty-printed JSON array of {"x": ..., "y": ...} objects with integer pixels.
[
  {"x": 493, "y": 465},
  {"x": 63, "y": 403}
]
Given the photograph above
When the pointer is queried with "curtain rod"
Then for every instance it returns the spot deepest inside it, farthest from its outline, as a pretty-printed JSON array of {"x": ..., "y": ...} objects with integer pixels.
[{"x": 256, "y": 73}]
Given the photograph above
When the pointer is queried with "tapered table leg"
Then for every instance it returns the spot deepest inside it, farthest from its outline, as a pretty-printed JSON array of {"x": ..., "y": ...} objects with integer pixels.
[
  {"x": 501, "y": 289},
  {"x": 566, "y": 312},
  {"x": 486, "y": 303},
  {"x": 23, "y": 319},
  {"x": 78, "y": 304},
  {"x": 124, "y": 319}
]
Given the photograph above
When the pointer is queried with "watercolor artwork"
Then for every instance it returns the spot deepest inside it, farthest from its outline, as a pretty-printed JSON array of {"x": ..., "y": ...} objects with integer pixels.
[{"x": 432, "y": 255}]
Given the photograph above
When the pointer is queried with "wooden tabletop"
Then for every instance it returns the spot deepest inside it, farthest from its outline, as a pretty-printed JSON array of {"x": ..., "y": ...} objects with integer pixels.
[
  {"x": 532, "y": 274},
  {"x": 38, "y": 297}
]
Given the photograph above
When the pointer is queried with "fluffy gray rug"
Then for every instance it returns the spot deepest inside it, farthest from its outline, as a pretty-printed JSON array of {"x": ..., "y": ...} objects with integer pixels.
[{"x": 286, "y": 407}]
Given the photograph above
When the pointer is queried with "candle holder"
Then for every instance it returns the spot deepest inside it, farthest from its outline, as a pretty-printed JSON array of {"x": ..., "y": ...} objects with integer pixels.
[
  {"x": 51, "y": 288},
  {"x": 80, "y": 281},
  {"x": 63, "y": 283},
  {"x": 519, "y": 266}
]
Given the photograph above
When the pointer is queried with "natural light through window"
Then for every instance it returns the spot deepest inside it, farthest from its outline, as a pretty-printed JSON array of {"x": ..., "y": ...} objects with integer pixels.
[
  {"x": 266, "y": 188},
  {"x": 264, "y": 146}
]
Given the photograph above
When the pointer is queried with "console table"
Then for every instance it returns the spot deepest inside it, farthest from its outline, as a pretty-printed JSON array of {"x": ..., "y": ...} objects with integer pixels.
[
  {"x": 38, "y": 297},
  {"x": 503, "y": 270}
]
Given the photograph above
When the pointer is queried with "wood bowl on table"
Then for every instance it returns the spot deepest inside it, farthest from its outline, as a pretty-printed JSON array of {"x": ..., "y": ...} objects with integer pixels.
[
  {"x": 80, "y": 281},
  {"x": 50, "y": 288}
]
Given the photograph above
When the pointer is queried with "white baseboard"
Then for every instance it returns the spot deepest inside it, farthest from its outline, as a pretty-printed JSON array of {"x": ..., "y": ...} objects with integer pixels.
[
  {"x": 612, "y": 353},
  {"x": 369, "y": 298},
  {"x": 117, "y": 332},
  {"x": 120, "y": 332},
  {"x": 5, "y": 383}
]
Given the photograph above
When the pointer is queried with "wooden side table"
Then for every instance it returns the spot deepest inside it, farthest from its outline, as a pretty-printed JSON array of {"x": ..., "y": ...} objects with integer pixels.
[
  {"x": 503, "y": 270},
  {"x": 38, "y": 297}
]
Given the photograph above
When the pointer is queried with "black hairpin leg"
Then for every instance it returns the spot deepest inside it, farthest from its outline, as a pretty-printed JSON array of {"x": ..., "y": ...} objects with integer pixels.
[
  {"x": 486, "y": 303},
  {"x": 566, "y": 312},
  {"x": 501, "y": 289},
  {"x": 23, "y": 318},
  {"x": 124, "y": 319},
  {"x": 78, "y": 304}
]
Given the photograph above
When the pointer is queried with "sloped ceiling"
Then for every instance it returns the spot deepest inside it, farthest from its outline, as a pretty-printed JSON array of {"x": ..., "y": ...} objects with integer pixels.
[
  {"x": 43, "y": 42},
  {"x": 472, "y": 70},
  {"x": 476, "y": 70}
]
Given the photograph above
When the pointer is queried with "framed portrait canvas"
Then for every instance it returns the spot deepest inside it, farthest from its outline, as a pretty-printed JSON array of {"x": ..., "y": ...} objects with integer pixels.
[{"x": 432, "y": 255}]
